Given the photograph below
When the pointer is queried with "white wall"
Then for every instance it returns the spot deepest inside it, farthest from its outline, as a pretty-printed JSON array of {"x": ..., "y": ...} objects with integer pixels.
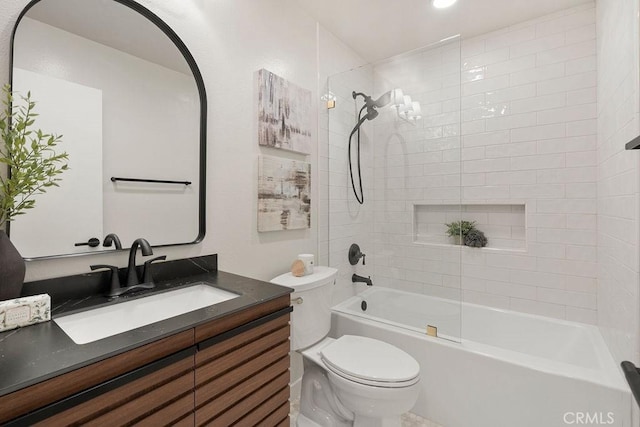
[
  {"x": 618, "y": 175},
  {"x": 230, "y": 41}
]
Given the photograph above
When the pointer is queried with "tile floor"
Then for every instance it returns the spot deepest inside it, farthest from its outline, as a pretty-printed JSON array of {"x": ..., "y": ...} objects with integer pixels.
[{"x": 408, "y": 419}]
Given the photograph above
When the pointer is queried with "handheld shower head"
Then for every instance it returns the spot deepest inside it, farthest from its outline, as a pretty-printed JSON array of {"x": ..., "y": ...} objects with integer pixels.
[
  {"x": 371, "y": 106},
  {"x": 372, "y": 113}
]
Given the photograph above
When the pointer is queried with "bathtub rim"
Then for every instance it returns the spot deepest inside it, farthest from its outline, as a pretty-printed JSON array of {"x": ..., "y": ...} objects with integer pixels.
[
  {"x": 609, "y": 373},
  {"x": 621, "y": 400}
]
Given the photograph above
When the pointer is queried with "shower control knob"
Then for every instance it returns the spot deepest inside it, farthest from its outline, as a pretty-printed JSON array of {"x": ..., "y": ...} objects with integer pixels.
[{"x": 355, "y": 254}]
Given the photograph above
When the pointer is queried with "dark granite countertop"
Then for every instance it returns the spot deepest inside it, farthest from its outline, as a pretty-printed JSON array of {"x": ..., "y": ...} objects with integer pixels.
[{"x": 36, "y": 353}]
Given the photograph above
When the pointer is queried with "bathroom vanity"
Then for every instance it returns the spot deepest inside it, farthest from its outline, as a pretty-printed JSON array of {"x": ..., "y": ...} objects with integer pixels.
[{"x": 217, "y": 365}]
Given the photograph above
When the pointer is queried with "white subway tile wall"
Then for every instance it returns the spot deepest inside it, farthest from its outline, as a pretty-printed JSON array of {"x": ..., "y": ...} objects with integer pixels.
[
  {"x": 420, "y": 164},
  {"x": 509, "y": 120},
  {"x": 345, "y": 221},
  {"x": 618, "y": 178}
]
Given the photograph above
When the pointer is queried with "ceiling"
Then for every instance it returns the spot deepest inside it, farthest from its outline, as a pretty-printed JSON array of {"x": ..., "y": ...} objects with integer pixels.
[{"x": 379, "y": 29}]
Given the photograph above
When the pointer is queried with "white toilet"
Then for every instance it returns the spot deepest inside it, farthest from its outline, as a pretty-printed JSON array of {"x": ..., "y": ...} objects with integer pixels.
[{"x": 349, "y": 381}]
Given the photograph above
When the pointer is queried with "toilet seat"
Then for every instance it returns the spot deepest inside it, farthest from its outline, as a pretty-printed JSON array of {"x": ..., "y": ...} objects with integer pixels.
[{"x": 370, "y": 362}]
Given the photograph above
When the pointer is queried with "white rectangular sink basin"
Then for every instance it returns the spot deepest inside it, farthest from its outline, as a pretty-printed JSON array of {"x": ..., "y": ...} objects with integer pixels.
[{"x": 99, "y": 323}]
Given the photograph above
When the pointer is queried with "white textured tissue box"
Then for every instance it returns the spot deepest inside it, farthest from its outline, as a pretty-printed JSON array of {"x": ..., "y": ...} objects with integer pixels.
[{"x": 24, "y": 311}]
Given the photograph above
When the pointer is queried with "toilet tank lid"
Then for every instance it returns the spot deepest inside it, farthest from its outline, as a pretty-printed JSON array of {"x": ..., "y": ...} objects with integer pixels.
[{"x": 321, "y": 275}]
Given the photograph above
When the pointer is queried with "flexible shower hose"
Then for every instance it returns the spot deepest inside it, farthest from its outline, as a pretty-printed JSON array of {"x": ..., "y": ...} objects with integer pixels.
[{"x": 359, "y": 198}]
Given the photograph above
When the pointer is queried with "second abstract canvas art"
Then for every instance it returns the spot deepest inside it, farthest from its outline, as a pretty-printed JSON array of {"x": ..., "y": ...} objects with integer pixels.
[{"x": 284, "y": 194}]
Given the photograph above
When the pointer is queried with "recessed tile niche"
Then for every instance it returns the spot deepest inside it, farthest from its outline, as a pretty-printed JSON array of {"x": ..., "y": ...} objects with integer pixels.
[{"x": 503, "y": 224}]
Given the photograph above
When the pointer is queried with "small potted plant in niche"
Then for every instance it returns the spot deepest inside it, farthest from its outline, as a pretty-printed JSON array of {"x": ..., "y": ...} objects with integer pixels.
[
  {"x": 458, "y": 230},
  {"x": 475, "y": 239},
  {"x": 33, "y": 167}
]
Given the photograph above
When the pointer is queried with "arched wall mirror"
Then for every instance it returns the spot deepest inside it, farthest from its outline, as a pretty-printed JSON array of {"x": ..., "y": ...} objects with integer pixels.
[{"x": 129, "y": 100}]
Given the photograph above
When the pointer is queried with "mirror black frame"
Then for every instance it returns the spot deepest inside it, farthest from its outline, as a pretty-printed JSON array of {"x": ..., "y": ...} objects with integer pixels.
[{"x": 168, "y": 31}]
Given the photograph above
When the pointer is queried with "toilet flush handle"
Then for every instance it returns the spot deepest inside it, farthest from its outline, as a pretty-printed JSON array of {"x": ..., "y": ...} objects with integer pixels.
[{"x": 298, "y": 300}]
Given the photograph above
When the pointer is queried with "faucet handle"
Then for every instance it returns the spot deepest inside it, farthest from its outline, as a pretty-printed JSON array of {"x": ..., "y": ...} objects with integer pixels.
[
  {"x": 115, "y": 280},
  {"x": 355, "y": 254},
  {"x": 92, "y": 243},
  {"x": 146, "y": 275}
]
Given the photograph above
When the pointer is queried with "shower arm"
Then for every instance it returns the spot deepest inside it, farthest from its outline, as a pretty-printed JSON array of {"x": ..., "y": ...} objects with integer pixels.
[
  {"x": 383, "y": 100},
  {"x": 356, "y": 94}
]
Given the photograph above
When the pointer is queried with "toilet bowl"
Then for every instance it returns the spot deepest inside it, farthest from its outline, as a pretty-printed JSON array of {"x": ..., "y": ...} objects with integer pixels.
[{"x": 351, "y": 380}]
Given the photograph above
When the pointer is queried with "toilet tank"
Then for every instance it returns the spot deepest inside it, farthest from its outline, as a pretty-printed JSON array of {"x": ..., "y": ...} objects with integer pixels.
[{"x": 311, "y": 300}]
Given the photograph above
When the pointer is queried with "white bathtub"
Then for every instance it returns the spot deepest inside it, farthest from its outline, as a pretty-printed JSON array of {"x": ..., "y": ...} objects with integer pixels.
[{"x": 508, "y": 369}]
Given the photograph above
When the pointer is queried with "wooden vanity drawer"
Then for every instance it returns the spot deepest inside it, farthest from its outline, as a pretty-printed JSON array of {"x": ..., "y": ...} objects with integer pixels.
[
  {"x": 234, "y": 320},
  {"x": 265, "y": 416},
  {"x": 28, "y": 399},
  {"x": 246, "y": 399},
  {"x": 148, "y": 403},
  {"x": 180, "y": 412},
  {"x": 274, "y": 344},
  {"x": 167, "y": 390},
  {"x": 261, "y": 416},
  {"x": 246, "y": 375}
]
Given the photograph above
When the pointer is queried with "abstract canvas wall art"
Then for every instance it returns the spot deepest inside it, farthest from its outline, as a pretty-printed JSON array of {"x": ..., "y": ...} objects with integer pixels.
[
  {"x": 284, "y": 114},
  {"x": 284, "y": 194}
]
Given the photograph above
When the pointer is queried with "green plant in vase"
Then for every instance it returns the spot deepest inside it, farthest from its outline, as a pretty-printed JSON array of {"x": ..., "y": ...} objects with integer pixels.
[
  {"x": 458, "y": 230},
  {"x": 33, "y": 168}
]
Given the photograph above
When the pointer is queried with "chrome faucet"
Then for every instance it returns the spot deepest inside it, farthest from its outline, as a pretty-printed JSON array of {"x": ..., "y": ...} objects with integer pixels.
[{"x": 132, "y": 274}]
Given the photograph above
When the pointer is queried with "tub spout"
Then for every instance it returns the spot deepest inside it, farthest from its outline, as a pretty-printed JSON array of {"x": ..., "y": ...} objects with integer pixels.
[{"x": 355, "y": 278}]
